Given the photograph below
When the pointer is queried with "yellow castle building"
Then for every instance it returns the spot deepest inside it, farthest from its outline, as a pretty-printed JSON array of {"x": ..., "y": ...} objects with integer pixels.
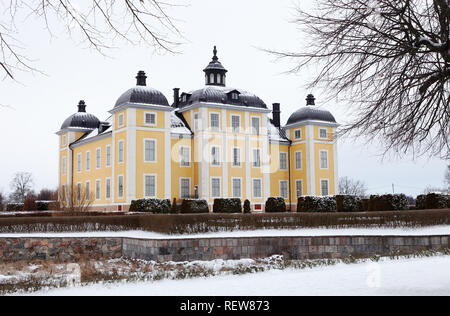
[{"x": 214, "y": 142}]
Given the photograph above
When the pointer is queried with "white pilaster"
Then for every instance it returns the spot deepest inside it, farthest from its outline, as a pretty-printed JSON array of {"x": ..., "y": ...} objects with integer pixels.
[
  {"x": 248, "y": 193},
  {"x": 335, "y": 163},
  {"x": 310, "y": 164},
  {"x": 131, "y": 155},
  {"x": 167, "y": 158},
  {"x": 224, "y": 154},
  {"x": 265, "y": 158}
]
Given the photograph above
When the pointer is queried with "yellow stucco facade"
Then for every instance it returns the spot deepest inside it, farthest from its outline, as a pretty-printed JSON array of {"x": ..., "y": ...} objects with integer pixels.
[{"x": 210, "y": 143}]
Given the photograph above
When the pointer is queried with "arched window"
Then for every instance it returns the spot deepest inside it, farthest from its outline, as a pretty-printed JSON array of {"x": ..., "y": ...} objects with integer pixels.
[{"x": 211, "y": 78}]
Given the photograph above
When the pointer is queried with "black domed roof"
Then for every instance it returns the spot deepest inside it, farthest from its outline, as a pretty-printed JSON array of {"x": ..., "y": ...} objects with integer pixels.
[
  {"x": 310, "y": 113},
  {"x": 223, "y": 95},
  {"x": 142, "y": 94},
  {"x": 81, "y": 119}
]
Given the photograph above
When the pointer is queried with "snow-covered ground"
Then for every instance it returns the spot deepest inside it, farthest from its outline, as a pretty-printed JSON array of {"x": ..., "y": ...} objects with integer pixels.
[
  {"x": 423, "y": 276},
  {"x": 432, "y": 230}
]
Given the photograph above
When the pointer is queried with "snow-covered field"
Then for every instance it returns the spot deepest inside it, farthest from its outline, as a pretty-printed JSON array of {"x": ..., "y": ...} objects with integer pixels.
[
  {"x": 423, "y": 276},
  {"x": 432, "y": 230}
]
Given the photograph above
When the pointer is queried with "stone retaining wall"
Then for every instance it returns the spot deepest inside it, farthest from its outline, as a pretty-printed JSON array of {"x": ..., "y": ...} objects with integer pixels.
[
  {"x": 300, "y": 248},
  {"x": 63, "y": 249}
]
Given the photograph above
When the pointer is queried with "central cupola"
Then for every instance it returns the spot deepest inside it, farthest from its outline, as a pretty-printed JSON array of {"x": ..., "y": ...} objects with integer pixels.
[{"x": 215, "y": 73}]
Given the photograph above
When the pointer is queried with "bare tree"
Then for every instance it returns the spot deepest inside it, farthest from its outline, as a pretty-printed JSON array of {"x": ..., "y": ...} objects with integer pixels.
[
  {"x": 2, "y": 202},
  {"x": 349, "y": 186},
  {"x": 447, "y": 178},
  {"x": 389, "y": 60},
  {"x": 76, "y": 200},
  {"x": 47, "y": 195},
  {"x": 21, "y": 186},
  {"x": 98, "y": 23}
]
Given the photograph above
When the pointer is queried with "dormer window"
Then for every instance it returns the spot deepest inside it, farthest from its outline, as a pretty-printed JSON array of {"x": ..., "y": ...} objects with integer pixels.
[
  {"x": 234, "y": 96},
  {"x": 184, "y": 98}
]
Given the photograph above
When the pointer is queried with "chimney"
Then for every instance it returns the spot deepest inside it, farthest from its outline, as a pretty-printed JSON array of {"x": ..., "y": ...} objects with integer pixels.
[
  {"x": 81, "y": 106},
  {"x": 310, "y": 100},
  {"x": 276, "y": 115},
  {"x": 141, "y": 79},
  {"x": 176, "y": 97}
]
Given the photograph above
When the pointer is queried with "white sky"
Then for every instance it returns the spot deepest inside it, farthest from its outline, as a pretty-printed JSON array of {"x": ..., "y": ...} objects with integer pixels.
[{"x": 238, "y": 28}]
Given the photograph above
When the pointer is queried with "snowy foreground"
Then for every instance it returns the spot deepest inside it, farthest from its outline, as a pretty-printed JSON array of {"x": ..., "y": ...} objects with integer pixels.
[
  {"x": 432, "y": 230},
  {"x": 420, "y": 276}
]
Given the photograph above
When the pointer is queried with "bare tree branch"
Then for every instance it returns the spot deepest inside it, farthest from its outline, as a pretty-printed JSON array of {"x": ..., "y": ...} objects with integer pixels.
[
  {"x": 389, "y": 60},
  {"x": 99, "y": 23}
]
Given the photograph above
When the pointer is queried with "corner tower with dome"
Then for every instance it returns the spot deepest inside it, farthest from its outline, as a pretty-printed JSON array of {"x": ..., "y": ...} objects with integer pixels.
[{"x": 212, "y": 142}]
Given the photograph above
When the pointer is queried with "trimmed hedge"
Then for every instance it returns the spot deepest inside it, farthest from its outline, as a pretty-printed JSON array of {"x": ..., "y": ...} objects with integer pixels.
[
  {"x": 227, "y": 206},
  {"x": 194, "y": 207},
  {"x": 275, "y": 205},
  {"x": 247, "y": 207},
  {"x": 156, "y": 206},
  {"x": 14, "y": 207},
  {"x": 432, "y": 201},
  {"x": 316, "y": 204},
  {"x": 388, "y": 202},
  {"x": 42, "y": 205},
  {"x": 203, "y": 223},
  {"x": 349, "y": 203}
]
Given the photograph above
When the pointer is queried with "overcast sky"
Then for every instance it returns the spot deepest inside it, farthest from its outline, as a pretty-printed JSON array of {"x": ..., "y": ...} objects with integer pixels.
[{"x": 39, "y": 104}]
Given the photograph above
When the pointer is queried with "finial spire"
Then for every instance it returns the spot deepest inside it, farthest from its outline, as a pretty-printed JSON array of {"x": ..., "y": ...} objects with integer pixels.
[{"x": 215, "y": 58}]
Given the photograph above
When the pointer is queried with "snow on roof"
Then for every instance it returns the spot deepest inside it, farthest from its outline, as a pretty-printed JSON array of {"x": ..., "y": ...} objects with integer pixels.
[
  {"x": 275, "y": 134},
  {"x": 177, "y": 126}
]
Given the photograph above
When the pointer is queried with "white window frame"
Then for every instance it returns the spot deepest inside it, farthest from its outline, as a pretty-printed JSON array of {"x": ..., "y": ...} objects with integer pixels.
[
  {"x": 239, "y": 126},
  {"x": 253, "y": 188},
  {"x": 64, "y": 166},
  {"x": 108, "y": 155},
  {"x": 88, "y": 160},
  {"x": 79, "y": 163},
  {"x": 150, "y": 113},
  {"x": 326, "y": 133},
  {"x": 218, "y": 164},
  {"x": 181, "y": 188},
  {"x": 120, "y": 120},
  {"x": 120, "y": 176},
  {"x": 233, "y": 165},
  {"x": 214, "y": 129},
  {"x": 287, "y": 188},
  {"x": 256, "y": 163},
  {"x": 156, "y": 149},
  {"x": 87, "y": 193},
  {"x": 98, "y": 158},
  {"x": 78, "y": 193},
  {"x": 188, "y": 164},
  {"x": 253, "y": 132},
  {"x": 301, "y": 160},
  {"x": 285, "y": 154},
  {"x": 328, "y": 187},
  {"x": 156, "y": 185},
  {"x": 295, "y": 135},
  {"x": 98, "y": 189},
  {"x": 108, "y": 180},
  {"x": 320, "y": 160},
  {"x": 211, "y": 187},
  {"x": 232, "y": 187},
  {"x": 296, "y": 187},
  {"x": 121, "y": 159}
]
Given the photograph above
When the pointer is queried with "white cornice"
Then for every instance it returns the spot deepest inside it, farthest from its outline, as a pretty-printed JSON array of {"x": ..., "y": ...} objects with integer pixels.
[
  {"x": 223, "y": 107},
  {"x": 311, "y": 122},
  {"x": 141, "y": 106}
]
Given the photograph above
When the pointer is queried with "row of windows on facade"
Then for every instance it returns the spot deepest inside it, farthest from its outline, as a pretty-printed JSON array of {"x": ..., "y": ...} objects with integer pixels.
[
  {"x": 185, "y": 160},
  {"x": 185, "y": 188}
]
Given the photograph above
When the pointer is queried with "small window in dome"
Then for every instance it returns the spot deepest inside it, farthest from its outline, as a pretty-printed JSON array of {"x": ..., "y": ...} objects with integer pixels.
[
  {"x": 150, "y": 118},
  {"x": 211, "y": 78},
  {"x": 298, "y": 134}
]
